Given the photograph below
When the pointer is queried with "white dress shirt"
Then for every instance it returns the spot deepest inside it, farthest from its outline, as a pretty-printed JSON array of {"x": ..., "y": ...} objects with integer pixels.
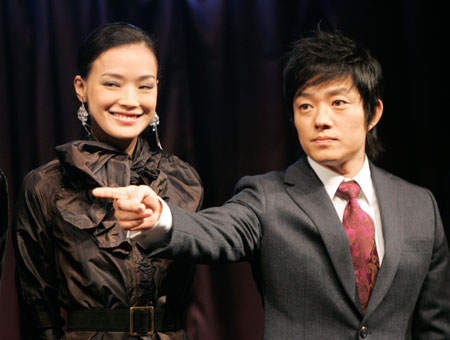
[
  {"x": 150, "y": 238},
  {"x": 366, "y": 199}
]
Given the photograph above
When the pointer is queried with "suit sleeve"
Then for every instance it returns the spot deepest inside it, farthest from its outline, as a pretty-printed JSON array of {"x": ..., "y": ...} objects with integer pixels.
[
  {"x": 35, "y": 263},
  {"x": 432, "y": 313},
  {"x": 229, "y": 233}
]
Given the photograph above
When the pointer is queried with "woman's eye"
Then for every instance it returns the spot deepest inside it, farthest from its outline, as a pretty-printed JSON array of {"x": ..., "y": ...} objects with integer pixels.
[
  {"x": 146, "y": 87},
  {"x": 111, "y": 84}
]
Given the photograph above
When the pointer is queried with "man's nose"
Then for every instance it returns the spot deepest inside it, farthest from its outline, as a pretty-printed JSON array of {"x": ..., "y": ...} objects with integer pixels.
[{"x": 323, "y": 117}]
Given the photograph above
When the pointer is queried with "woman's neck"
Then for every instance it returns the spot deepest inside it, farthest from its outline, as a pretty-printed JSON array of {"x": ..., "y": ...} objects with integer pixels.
[{"x": 126, "y": 145}]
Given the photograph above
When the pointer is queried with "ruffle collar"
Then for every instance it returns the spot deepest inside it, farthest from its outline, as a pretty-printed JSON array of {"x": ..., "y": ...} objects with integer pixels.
[{"x": 88, "y": 164}]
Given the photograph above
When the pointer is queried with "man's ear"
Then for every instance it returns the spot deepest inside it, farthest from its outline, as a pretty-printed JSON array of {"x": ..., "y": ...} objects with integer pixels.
[
  {"x": 378, "y": 112},
  {"x": 80, "y": 88}
]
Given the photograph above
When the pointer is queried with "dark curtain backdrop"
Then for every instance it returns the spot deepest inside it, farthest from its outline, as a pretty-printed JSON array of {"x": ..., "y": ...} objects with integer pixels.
[{"x": 221, "y": 105}]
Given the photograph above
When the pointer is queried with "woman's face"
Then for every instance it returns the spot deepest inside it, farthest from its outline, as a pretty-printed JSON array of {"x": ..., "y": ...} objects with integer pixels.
[{"x": 121, "y": 92}]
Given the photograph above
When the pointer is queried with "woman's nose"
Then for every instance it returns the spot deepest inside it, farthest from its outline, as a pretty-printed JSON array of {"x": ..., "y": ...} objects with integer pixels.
[{"x": 128, "y": 97}]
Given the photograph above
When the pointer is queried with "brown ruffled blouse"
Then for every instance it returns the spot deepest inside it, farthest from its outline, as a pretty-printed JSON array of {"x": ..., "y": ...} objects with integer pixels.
[{"x": 73, "y": 255}]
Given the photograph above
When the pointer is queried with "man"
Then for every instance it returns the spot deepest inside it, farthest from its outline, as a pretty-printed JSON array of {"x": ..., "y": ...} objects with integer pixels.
[{"x": 340, "y": 248}]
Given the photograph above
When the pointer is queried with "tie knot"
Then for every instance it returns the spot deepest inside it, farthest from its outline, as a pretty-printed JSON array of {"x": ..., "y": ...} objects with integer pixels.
[{"x": 348, "y": 190}]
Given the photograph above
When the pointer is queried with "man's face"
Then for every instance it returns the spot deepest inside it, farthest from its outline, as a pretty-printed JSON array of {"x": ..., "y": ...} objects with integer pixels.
[{"x": 331, "y": 125}]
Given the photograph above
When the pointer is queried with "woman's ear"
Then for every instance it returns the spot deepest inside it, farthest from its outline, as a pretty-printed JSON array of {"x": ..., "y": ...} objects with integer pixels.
[
  {"x": 378, "y": 112},
  {"x": 80, "y": 88}
]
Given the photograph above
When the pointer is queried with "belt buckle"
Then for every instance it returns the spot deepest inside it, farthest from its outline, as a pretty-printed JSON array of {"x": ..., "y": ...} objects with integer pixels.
[{"x": 151, "y": 313}]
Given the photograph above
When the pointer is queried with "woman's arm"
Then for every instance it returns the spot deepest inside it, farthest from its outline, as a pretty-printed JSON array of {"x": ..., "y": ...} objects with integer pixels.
[{"x": 36, "y": 274}]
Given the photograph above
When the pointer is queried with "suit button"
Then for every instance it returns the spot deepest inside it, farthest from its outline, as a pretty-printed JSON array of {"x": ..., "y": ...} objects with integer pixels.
[{"x": 363, "y": 332}]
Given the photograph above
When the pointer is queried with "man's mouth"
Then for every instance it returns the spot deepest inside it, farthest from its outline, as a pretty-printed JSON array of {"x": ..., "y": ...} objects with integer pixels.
[{"x": 324, "y": 140}]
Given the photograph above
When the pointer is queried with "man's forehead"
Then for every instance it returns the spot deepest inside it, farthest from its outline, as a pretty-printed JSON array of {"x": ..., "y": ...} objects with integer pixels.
[{"x": 336, "y": 84}]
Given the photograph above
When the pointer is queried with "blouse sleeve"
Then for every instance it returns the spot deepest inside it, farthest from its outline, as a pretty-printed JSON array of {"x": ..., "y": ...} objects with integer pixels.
[
  {"x": 36, "y": 276},
  {"x": 180, "y": 184}
]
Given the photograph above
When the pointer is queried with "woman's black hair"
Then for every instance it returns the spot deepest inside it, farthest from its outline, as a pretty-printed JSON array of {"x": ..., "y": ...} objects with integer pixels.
[{"x": 108, "y": 36}]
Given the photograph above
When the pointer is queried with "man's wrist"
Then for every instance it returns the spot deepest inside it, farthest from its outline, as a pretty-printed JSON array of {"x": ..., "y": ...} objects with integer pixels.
[{"x": 159, "y": 232}]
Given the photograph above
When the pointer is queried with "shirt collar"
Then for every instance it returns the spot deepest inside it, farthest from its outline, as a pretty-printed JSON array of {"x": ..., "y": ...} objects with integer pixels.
[{"x": 332, "y": 180}]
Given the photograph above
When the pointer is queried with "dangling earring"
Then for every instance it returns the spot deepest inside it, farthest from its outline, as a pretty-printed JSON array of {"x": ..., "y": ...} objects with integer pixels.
[
  {"x": 83, "y": 117},
  {"x": 154, "y": 125}
]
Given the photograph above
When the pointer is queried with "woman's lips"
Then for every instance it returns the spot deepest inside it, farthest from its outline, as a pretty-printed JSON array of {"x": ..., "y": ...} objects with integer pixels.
[{"x": 126, "y": 119}]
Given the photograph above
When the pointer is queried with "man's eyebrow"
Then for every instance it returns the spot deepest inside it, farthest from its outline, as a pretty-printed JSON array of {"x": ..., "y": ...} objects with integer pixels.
[{"x": 339, "y": 90}]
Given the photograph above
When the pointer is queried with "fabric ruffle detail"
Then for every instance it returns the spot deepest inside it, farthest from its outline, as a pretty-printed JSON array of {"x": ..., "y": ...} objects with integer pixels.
[{"x": 89, "y": 164}]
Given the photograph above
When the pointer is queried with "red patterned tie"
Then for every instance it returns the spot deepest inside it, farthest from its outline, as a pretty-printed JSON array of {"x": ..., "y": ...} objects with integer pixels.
[{"x": 361, "y": 235}]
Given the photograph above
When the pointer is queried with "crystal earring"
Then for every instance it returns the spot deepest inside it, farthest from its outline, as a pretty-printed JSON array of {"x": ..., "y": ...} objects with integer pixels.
[
  {"x": 83, "y": 117},
  {"x": 154, "y": 125}
]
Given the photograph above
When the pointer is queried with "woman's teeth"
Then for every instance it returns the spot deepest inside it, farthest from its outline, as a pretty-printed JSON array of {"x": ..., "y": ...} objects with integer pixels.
[{"x": 125, "y": 117}]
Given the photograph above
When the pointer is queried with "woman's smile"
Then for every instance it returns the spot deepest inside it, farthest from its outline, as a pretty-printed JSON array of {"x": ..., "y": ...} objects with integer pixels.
[{"x": 126, "y": 119}]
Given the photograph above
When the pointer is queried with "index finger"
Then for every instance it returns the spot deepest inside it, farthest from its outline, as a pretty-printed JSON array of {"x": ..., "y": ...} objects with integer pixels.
[{"x": 108, "y": 192}]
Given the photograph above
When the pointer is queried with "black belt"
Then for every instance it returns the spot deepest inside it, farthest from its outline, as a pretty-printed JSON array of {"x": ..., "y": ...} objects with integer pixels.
[{"x": 137, "y": 321}]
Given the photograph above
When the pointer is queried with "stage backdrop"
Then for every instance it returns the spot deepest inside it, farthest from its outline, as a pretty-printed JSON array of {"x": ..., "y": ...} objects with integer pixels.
[{"x": 221, "y": 105}]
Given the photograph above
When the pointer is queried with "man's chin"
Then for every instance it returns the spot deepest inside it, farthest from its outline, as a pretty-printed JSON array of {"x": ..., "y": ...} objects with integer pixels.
[{"x": 325, "y": 158}]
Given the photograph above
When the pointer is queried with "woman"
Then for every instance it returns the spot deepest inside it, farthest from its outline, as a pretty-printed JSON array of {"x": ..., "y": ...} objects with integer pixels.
[{"x": 71, "y": 253}]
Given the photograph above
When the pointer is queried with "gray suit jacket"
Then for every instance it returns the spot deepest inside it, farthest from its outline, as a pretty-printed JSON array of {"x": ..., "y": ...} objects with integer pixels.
[{"x": 286, "y": 225}]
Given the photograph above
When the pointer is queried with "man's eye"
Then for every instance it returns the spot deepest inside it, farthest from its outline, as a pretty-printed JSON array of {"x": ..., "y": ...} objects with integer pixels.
[
  {"x": 304, "y": 106},
  {"x": 111, "y": 84},
  {"x": 339, "y": 102}
]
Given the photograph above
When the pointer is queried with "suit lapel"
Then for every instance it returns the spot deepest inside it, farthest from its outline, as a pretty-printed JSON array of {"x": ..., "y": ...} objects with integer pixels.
[
  {"x": 392, "y": 224},
  {"x": 306, "y": 189}
]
